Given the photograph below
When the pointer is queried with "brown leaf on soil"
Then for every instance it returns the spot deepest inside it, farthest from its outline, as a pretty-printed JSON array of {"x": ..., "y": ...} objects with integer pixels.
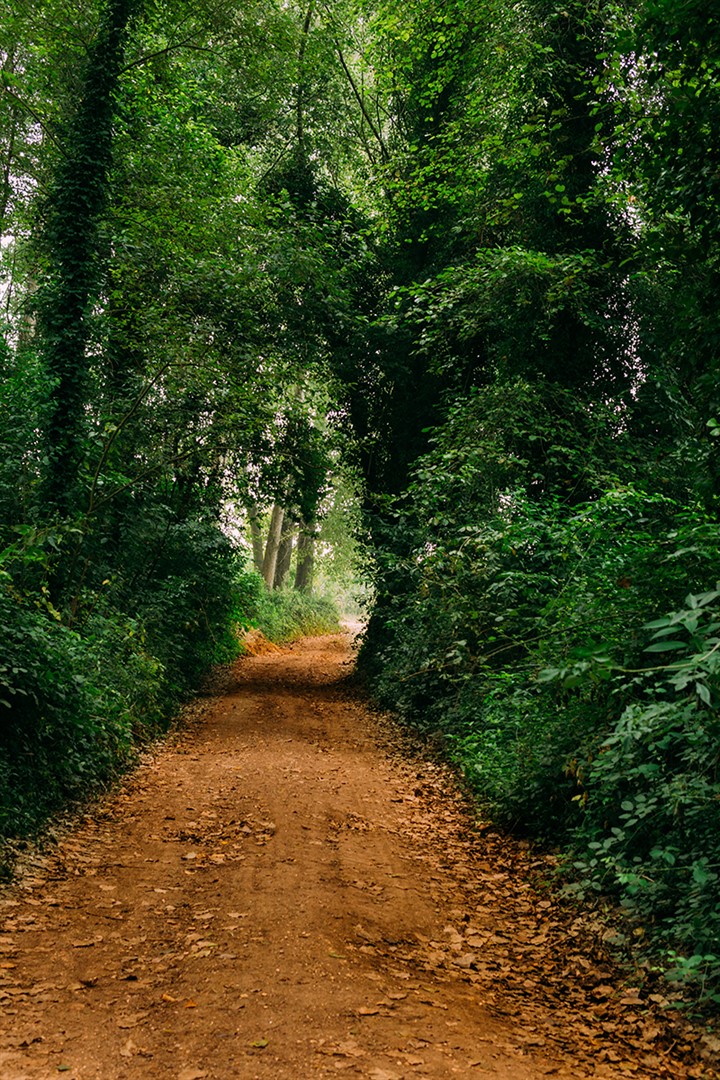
[
  {"x": 131, "y": 1021},
  {"x": 128, "y": 1049},
  {"x": 349, "y": 1048},
  {"x": 466, "y": 961}
]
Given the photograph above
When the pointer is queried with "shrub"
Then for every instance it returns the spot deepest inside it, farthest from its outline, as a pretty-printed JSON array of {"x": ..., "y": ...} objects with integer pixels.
[{"x": 70, "y": 707}]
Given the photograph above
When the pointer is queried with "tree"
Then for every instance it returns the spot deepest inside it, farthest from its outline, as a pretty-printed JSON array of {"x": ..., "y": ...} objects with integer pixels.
[{"x": 74, "y": 206}]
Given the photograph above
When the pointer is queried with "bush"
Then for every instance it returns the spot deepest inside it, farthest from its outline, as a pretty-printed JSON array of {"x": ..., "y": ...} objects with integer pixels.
[
  {"x": 70, "y": 708},
  {"x": 188, "y": 599},
  {"x": 650, "y": 828}
]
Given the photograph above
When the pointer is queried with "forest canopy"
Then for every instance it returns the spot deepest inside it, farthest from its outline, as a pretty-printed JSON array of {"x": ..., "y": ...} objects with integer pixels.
[{"x": 447, "y": 272}]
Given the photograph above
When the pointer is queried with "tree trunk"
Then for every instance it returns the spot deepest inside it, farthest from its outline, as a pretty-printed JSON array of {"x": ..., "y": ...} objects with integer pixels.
[
  {"x": 6, "y": 182},
  {"x": 71, "y": 239},
  {"x": 272, "y": 546},
  {"x": 285, "y": 551},
  {"x": 256, "y": 535},
  {"x": 300, "y": 89},
  {"x": 305, "y": 560}
]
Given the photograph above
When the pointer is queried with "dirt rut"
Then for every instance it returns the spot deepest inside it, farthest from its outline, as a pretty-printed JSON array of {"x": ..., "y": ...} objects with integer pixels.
[{"x": 278, "y": 893}]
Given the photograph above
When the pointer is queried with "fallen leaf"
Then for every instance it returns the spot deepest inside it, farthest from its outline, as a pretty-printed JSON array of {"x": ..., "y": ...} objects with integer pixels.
[
  {"x": 710, "y": 1042},
  {"x": 259, "y": 1044},
  {"x": 349, "y": 1048},
  {"x": 128, "y": 1049},
  {"x": 191, "y": 1004},
  {"x": 131, "y": 1021},
  {"x": 168, "y": 997},
  {"x": 466, "y": 961}
]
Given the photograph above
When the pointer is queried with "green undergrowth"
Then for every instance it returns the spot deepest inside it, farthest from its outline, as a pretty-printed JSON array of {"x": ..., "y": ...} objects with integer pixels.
[
  {"x": 566, "y": 656},
  {"x": 286, "y": 615}
]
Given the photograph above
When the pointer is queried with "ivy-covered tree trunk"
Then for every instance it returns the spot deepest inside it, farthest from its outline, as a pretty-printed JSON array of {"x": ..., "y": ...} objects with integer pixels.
[
  {"x": 565, "y": 213},
  {"x": 72, "y": 251}
]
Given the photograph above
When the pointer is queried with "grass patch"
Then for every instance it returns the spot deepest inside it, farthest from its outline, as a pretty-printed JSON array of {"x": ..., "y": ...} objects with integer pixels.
[{"x": 287, "y": 615}]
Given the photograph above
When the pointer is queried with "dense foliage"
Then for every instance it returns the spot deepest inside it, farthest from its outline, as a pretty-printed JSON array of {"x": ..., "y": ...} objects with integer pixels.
[
  {"x": 544, "y": 536},
  {"x": 154, "y": 386},
  {"x": 461, "y": 258}
]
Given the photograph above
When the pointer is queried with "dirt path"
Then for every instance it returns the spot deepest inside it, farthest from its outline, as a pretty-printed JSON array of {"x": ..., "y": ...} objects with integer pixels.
[{"x": 278, "y": 894}]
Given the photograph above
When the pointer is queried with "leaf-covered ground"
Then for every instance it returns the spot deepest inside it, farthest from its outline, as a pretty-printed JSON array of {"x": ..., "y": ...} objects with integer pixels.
[{"x": 282, "y": 891}]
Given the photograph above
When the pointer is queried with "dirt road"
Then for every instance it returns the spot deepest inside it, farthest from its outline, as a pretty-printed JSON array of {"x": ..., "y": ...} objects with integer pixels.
[{"x": 278, "y": 892}]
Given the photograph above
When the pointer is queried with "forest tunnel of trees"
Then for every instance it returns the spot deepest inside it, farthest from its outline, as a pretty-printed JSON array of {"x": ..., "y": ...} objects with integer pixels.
[{"x": 419, "y": 294}]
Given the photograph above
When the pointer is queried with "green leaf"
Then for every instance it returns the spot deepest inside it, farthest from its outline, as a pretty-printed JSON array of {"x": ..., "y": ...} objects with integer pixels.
[
  {"x": 665, "y": 631},
  {"x": 703, "y": 693},
  {"x": 666, "y": 646},
  {"x": 666, "y": 620}
]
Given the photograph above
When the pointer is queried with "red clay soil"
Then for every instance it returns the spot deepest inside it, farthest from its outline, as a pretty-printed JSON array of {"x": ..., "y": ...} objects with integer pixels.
[{"x": 280, "y": 891}]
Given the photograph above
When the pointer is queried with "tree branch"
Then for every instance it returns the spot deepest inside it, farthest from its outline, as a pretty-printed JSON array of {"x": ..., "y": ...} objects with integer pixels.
[{"x": 361, "y": 102}]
